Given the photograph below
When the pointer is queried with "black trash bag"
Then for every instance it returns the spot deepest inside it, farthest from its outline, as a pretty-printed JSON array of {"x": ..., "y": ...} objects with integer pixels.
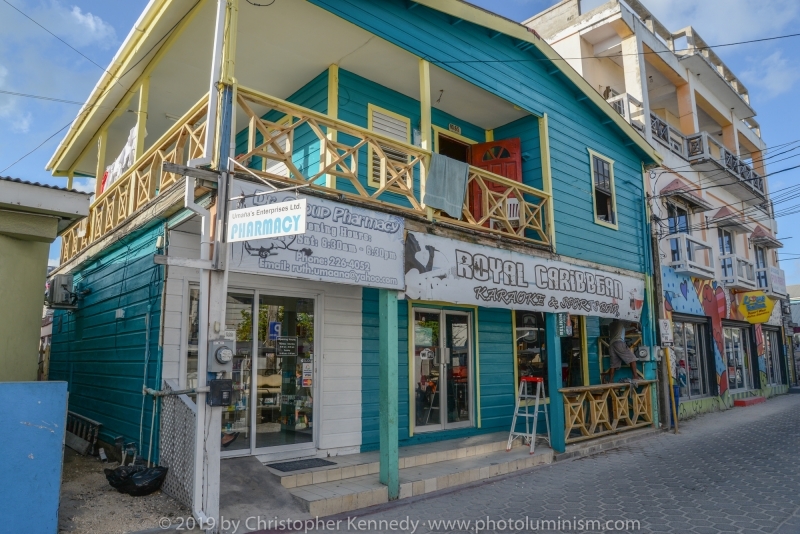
[{"x": 136, "y": 480}]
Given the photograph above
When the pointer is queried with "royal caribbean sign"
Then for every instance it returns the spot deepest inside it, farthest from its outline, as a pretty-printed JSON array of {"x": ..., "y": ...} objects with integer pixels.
[
  {"x": 463, "y": 273},
  {"x": 334, "y": 242}
]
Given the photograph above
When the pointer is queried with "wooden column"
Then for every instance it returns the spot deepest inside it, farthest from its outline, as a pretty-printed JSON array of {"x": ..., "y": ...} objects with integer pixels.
[
  {"x": 425, "y": 126},
  {"x": 387, "y": 376},
  {"x": 333, "y": 113},
  {"x": 141, "y": 118},
  {"x": 554, "y": 383},
  {"x": 102, "y": 141},
  {"x": 547, "y": 178}
]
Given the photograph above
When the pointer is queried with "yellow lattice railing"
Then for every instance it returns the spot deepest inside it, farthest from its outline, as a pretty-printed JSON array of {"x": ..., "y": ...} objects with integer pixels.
[
  {"x": 141, "y": 183},
  {"x": 493, "y": 204},
  {"x": 593, "y": 411}
]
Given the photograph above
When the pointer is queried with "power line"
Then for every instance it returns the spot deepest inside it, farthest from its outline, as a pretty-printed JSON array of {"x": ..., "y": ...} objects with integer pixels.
[
  {"x": 87, "y": 58},
  {"x": 49, "y": 98},
  {"x": 89, "y": 107},
  {"x": 707, "y": 47}
]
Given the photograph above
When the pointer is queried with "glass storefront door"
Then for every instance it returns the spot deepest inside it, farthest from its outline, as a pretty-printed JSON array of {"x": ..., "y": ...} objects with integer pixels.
[
  {"x": 442, "y": 369},
  {"x": 737, "y": 348},
  {"x": 284, "y": 398},
  {"x": 273, "y": 370},
  {"x": 690, "y": 358}
]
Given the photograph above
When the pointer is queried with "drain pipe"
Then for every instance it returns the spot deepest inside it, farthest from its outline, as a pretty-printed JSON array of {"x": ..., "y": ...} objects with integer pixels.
[{"x": 202, "y": 352}]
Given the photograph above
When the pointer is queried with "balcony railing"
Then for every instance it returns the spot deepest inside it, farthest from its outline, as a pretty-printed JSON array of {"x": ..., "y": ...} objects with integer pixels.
[
  {"x": 141, "y": 183},
  {"x": 630, "y": 109},
  {"x": 701, "y": 147},
  {"x": 594, "y": 411},
  {"x": 737, "y": 272},
  {"x": 690, "y": 256},
  {"x": 505, "y": 207},
  {"x": 667, "y": 135}
]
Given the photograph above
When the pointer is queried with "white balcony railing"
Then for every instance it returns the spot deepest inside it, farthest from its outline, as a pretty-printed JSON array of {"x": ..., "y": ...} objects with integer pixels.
[
  {"x": 737, "y": 272},
  {"x": 690, "y": 256},
  {"x": 702, "y": 147},
  {"x": 631, "y": 109},
  {"x": 668, "y": 136}
]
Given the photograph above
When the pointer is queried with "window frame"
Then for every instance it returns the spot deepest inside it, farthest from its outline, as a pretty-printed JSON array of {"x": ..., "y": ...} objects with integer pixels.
[
  {"x": 438, "y": 130},
  {"x": 371, "y": 109},
  {"x": 612, "y": 225}
]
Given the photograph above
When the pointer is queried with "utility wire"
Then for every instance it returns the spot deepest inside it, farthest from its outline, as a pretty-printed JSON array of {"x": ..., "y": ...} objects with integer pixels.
[
  {"x": 707, "y": 47},
  {"x": 89, "y": 107},
  {"x": 87, "y": 58}
]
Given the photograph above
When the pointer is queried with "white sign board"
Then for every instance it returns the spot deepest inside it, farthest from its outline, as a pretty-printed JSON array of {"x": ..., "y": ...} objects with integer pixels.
[
  {"x": 665, "y": 327},
  {"x": 777, "y": 280},
  {"x": 271, "y": 220},
  {"x": 462, "y": 273},
  {"x": 342, "y": 243}
]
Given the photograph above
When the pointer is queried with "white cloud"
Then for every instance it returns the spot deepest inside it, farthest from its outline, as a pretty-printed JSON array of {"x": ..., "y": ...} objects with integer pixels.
[
  {"x": 774, "y": 75},
  {"x": 84, "y": 185},
  {"x": 78, "y": 28},
  {"x": 726, "y": 21},
  {"x": 52, "y": 262}
]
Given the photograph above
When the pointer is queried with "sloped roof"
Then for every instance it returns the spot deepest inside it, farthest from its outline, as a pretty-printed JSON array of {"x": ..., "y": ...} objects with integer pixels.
[
  {"x": 37, "y": 184},
  {"x": 677, "y": 188},
  {"x": 727, "y": 218},
  {"x": 765, "y": 239}
]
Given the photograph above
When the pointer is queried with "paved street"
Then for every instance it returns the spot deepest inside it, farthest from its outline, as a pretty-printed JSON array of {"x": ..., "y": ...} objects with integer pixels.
[{"x": 736, "y": 472}]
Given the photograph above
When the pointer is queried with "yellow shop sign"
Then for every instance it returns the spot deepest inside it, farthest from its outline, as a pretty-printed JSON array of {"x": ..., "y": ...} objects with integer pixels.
[{"x": 755, "y": 306}]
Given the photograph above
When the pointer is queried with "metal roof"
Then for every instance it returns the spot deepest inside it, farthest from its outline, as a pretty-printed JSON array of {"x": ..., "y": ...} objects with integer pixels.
[{"x": 37, "y": 184}]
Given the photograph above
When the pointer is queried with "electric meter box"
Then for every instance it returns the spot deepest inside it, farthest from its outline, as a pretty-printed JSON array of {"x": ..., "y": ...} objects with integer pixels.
[
  {"x": 221, "y": 392},
  {"x": 220, "y": 355}
]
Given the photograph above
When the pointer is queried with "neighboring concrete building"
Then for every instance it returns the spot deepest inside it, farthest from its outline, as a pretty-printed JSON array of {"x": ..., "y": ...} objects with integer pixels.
[
  {"x": 31, "y": 217},
  {"x": 711, "y": 212}
]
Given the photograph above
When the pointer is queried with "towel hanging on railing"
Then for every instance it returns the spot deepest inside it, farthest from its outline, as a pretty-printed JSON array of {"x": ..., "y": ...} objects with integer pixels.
[{"x": 446, "y": 185}]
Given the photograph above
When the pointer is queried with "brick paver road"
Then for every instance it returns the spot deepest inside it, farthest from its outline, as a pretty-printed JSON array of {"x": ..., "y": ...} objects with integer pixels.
[{"x": 732, "y": 472}]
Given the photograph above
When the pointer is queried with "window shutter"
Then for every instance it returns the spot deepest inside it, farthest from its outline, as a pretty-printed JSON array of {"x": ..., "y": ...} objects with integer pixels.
[{"x": 393, "y": 128}]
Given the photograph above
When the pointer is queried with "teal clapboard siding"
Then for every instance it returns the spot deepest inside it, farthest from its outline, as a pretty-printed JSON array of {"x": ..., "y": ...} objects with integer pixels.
[
  {"x": 305, "y": 152},
  {"x": 495, "y": 338},
  {"x": 103, "y": 358},
  {"x": 521, "y": 78}
]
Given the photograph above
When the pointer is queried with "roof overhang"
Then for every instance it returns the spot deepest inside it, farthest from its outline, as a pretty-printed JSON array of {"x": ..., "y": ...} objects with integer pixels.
[
  {"x": 25, "y": 197},
  {"x": 699, "y": 65},
  {"x": 678, "y": 189},
  {"x": 725, "y": 218}
]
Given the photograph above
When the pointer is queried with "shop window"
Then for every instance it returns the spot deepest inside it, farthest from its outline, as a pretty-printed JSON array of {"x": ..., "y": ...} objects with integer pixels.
[
  {"x": 605, "y": 204},
  {"x": 690, "y": 358},
  {"x": 772, "y": 358},
  {"x": 737, "y": 362},
  {"x": 393, "y": 126}
]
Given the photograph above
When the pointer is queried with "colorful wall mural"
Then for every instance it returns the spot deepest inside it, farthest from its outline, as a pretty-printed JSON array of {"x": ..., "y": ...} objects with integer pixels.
[{"x": 693, "y": 296}]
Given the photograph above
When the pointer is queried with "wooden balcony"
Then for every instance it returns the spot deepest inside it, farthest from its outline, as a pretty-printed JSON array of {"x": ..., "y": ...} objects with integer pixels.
[
  {"x": 506, "y": 207},
  {"x": 594, "y": 411},
  {"x": 141, "y": 183}
]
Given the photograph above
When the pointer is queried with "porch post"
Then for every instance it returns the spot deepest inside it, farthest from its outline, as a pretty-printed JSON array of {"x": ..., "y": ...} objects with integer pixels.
[
  {"x": 387, "y": 374},
  {"x": 141, "y": 117},
  {"x": 425, "y": 128},
  {"x": 554, "y": 383},
  {"x": 102, "y": 141}
]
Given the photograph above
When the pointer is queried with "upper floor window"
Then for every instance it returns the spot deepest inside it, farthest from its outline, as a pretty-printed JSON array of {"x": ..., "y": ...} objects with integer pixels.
[
  {"x": 678, "y": 220},
  {"x": 761, "y": 268},
  {"x": 605, "y": 202},
  {"x": 726, "y": 248},
  {"x": 393, "y": 126}
]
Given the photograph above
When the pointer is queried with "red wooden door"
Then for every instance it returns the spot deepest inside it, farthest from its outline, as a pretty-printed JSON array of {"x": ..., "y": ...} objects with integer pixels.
[{"x": 503, "y": 157}]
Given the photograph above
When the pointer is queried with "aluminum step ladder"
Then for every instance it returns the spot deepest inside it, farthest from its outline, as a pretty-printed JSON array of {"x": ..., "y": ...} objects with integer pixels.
[{"x": 530, "y": 433}]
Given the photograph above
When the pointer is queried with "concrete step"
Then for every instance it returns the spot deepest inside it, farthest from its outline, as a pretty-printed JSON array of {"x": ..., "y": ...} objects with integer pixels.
[
  {"x": 359, "y": 465},
  {"x": 328, "y": 498},
  {"x": 794, "y": 390},
  {"x": 749, "y": 401}
]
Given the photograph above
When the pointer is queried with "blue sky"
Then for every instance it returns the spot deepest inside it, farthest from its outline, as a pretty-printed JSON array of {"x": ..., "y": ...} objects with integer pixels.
[{"x": 34, "y": 62}]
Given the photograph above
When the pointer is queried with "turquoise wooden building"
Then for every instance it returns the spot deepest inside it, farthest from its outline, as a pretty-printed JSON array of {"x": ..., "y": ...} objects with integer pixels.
[{"x": 356, "y": 101}]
